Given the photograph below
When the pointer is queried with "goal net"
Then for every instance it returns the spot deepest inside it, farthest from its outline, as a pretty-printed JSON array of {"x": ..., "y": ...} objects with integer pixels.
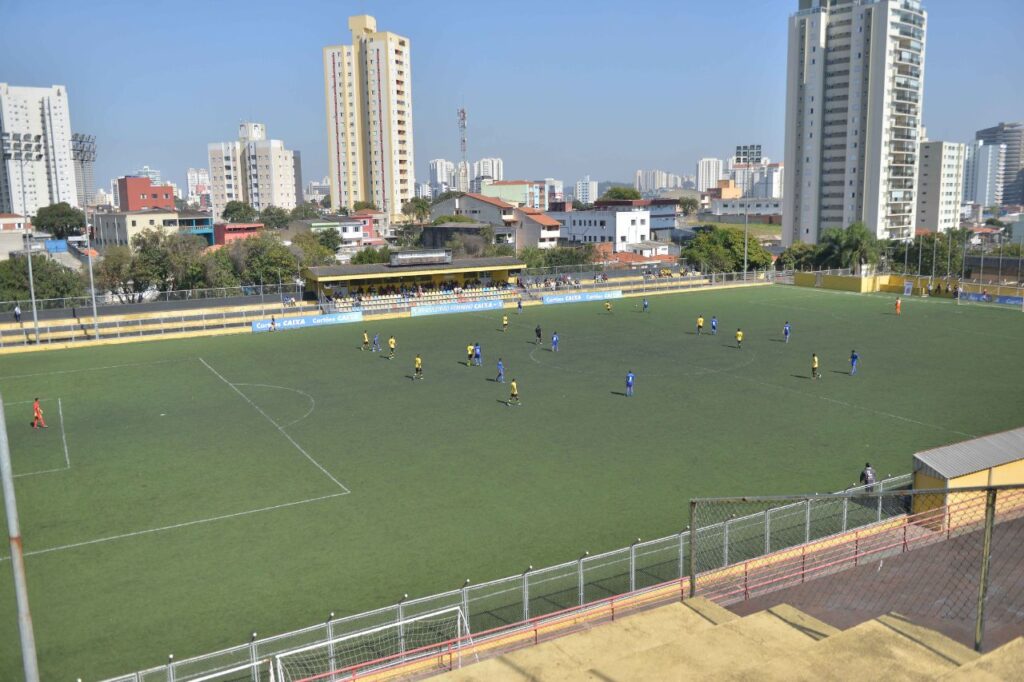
[
  {"x": 427, "y": 635},
  {"x": 996, "y": 296}
]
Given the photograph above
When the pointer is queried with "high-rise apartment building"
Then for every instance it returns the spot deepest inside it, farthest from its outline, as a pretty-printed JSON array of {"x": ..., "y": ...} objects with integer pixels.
[
  {"x": 984, "y": 168},
  {"x": 492, "y": 168},
  {"x": 586, "y": 191},
  {"x": 198, "y": 184},
  {"x": 442, "y": 175},
  {"x": 83, "y": 153},
  {"x": 461, "y": 179},
  {"x": 1011, "y": 135},
  {"x": 709, "y": 172},
  {"x": 368, "y": 87},
  {"x": 855, "y": 80},
  {"x": 254, "y": 170},
  {"x": 940, "y": 185},
  {"x": 749, "y": 153},
  {"x": 36, "y": 160},
  {"x": 146, "y": 172}
]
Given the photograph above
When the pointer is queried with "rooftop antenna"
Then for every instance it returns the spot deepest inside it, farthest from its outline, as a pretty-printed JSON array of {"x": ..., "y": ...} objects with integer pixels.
[{"x": 462, "y": 139}]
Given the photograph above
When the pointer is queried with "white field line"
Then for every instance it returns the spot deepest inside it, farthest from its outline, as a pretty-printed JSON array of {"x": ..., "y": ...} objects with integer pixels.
[
  {"x": 175, "y": 526},
  {"x": 63, "y": 438},
  {"x": 90, "y": 369},
  {"x": 276, "y": 426}
]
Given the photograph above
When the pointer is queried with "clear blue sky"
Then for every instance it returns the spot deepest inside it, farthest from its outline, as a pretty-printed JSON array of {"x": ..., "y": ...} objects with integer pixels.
[{"x": 557, "y": 89}]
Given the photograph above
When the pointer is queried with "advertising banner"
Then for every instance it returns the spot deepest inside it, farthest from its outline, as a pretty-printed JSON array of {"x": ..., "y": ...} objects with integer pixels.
[
  {"x": 445, "y": 308},
  {"x": 307, "y": 321},
  {"x": 582, "y": 297}
]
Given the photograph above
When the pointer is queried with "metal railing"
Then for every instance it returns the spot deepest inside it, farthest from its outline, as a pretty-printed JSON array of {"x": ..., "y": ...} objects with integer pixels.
[{"x": 498, "y": 604}]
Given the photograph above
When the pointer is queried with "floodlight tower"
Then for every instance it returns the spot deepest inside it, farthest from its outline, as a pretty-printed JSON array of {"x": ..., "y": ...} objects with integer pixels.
[{"x": 464, "y": 165}]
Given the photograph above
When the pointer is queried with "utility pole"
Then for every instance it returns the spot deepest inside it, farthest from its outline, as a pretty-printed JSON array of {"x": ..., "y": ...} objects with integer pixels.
[
  {"x": 28, "y": 641},
  {"x": 462, "y": 144}
]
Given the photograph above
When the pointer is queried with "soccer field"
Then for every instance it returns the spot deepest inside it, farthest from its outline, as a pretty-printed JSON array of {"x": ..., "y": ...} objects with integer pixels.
[{"x": 189, "y": 493}]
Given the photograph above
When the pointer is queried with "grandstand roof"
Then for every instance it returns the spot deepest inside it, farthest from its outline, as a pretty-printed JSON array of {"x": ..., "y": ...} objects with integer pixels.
[
  {"x": 969, "y": 456},
  {"x": 349, "y": 272}
]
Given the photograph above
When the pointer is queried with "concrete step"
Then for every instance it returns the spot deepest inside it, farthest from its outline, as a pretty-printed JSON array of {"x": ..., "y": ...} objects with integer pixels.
[
  {"x": 567, "y": 658},
  {"x": 712, "y": 653},
  {"x": 809, "y": 625},
  {"x": 1004, "y": 663},
  {"x": 710, "y": 611},
  {"x": 892, "y": 651}
]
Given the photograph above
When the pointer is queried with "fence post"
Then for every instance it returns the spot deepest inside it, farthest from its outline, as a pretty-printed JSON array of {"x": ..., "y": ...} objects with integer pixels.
[
  {"x": 986, "y": 554},
  {"x": 254, "y": 658},
  {"x": 330, "y": 643},
  {"x": 526, "y": 593},
  {"x": 846, "y": 509},
  {"x": 401, "y": 623},
  {"x": 465, "y": 604},
  {"x": 632, "y": 566},
  {"x": 682, "y": 554},
  {"x": 579, "y": 573},
  {"x": 725, "y": 543},
  {"x": 693, "y": 548},
  {"x": 807, "y": 522},
  {"x": 767, "y": 531},
  {"x": 170, "y": 668},
  {"x": 879, "y": 508}
]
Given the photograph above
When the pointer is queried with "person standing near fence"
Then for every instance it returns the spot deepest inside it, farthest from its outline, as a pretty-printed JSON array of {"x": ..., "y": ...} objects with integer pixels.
[
  {"x": 17, "y": 313},
  {"x": 868, "y": 477}
]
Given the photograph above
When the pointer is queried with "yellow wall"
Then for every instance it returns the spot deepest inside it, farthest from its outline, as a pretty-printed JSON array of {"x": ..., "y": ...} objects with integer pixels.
[
  {"x": 838, "y": 282},
  {"x": 1009, "y": 473},
  {"x": 923, "y": 481}
]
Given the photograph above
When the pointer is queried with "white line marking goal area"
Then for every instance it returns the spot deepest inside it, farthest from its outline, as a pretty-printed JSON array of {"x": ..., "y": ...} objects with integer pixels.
[{"x": 63, "y": 437}]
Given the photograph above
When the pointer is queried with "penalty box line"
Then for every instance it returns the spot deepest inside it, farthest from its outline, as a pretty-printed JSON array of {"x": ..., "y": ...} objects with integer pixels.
[
  {"x": 184, "y": 524},
  {"x": 277, "y": 426}
]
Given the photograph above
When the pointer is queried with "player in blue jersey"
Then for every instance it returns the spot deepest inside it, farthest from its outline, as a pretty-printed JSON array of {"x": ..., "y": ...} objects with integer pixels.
[
  {"x": 501, "y": 372},
  {"x": 477, "y": 355},
  {"x": 376, "y": 344},
  {"x": 714, "y": 325},
  {"x": 630, "y": 379},
  {"x": 785, "y": 331},
  {"x": 646, "y": 305},
  {"x": 554, "y": 342},
  {"x": 519, "y": 307},
  {"x": 854, "y": 359}
]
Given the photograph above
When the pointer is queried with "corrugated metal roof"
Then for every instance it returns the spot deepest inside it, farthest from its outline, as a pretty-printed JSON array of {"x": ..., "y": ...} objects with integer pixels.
[{"x": 966, "y": 457}]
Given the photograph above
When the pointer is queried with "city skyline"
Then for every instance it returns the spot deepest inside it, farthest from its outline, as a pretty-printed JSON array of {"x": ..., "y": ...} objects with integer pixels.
[{"x": 286, "y": 92}]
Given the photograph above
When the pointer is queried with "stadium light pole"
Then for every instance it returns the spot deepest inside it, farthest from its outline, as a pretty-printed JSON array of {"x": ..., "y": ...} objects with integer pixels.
[
  {"x": 920, "y": 249},
  {"x": 28, "y": 641},
  {"x": 949, "y": 252},
  {"x": 935, "y": 245},
  {"x": 746, "y": 237},
  {"x": 33, "y": 156},
  {"x": 92, "y": 284}
]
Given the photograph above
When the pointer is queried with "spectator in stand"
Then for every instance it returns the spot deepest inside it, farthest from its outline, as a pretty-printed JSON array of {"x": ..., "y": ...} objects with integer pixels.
[{"x": 868, "y": 477}]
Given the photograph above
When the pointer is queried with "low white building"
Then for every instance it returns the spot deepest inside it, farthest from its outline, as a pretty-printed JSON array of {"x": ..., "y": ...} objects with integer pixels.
[
  {"x": 746, "y": 206},
  {"x": 596, "y": 226},
  {"x": 482, "y": 209}
]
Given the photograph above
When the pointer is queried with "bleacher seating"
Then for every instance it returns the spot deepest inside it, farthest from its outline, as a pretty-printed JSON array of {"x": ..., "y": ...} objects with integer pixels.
[{"x": 696, "y": 639}]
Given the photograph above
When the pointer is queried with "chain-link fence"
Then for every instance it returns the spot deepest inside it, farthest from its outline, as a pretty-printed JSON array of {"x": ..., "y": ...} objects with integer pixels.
[
  {"x": 506, "y": 602},
  {"x": 931, "y": 555}
]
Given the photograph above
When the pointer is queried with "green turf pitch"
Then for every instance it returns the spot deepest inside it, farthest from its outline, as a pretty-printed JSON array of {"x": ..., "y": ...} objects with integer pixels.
[{"x": 215, "y": 487}]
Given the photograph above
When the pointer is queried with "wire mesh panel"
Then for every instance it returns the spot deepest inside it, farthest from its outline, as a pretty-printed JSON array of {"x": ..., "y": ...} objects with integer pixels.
[
  {"x": 199, "y": 666},
  {"x": 494, "y": 604},
  {"x": 553, "y": 589},
  {"x": 658, "y": 561},
  {"x": 606, "y": 575},
  {"x": 415, "y": 607}
]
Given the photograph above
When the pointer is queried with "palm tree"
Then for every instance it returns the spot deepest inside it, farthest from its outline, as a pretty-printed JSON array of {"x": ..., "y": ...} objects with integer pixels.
[{"x": 850, "y": 248}]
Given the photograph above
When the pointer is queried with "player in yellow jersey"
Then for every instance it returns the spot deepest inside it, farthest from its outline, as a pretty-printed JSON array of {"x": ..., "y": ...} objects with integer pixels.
[
  {"x": 700, "y": 324},
  {"x": 391, "y": 347},
  {"x": 607, "y": 306},
  {"x": 366, "y": 341},
  {"x": 815, "y": 374},
  {"x": 504, "y": 323},
  {"x": 513, "y": 394},
  {"x": 418, "y": 368},
  {"x": 739, "y": 338},
  {"x": 469, "y": 355}
]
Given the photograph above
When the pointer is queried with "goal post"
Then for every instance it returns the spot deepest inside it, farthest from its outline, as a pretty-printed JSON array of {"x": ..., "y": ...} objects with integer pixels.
[
  {"x": 406, "y": 639},
  {"x": 996, "y": 296}
]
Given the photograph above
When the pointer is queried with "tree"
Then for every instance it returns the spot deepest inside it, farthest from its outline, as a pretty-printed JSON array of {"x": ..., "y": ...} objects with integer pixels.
[
  {"x": 442, "y": 219},
  {"x": 310, "y": 251},
  {"x": 239, "y": 212},
  {"x": 61, "y": 220},
  {"x": 620, "y": 192},
  {"x": 445, "y": 196},
  {"x": 326, "y": 201},
  {"x": 532, "y": 256},
  {"x": 372, "y": 255},
  {"x": 262, "y": 258},
  {"x": 184, "y": 261},
  {"x": 219, "y": 269},
  {"x": 850, "y": 248},
  {"x": 274, "y": 218},
  {"x": 417, "y": 208},
  {"x": 569, "y": 255},
  {"x": 408, "y": 235},
  {"x": 307, "y": 211},
  {"x": 115, "y": 273},
  {"x": 51, "y": 279},
  {"x": 151, "y": 265},
  {"x": 721, "y": 250},
  {"x": 798, "y": 256},
  {"x": 329, "y": 239},
  {"x": 364, "y": 206},
  {"x": 689, "y": 205},
  {"x": 578, "y": 205}
]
